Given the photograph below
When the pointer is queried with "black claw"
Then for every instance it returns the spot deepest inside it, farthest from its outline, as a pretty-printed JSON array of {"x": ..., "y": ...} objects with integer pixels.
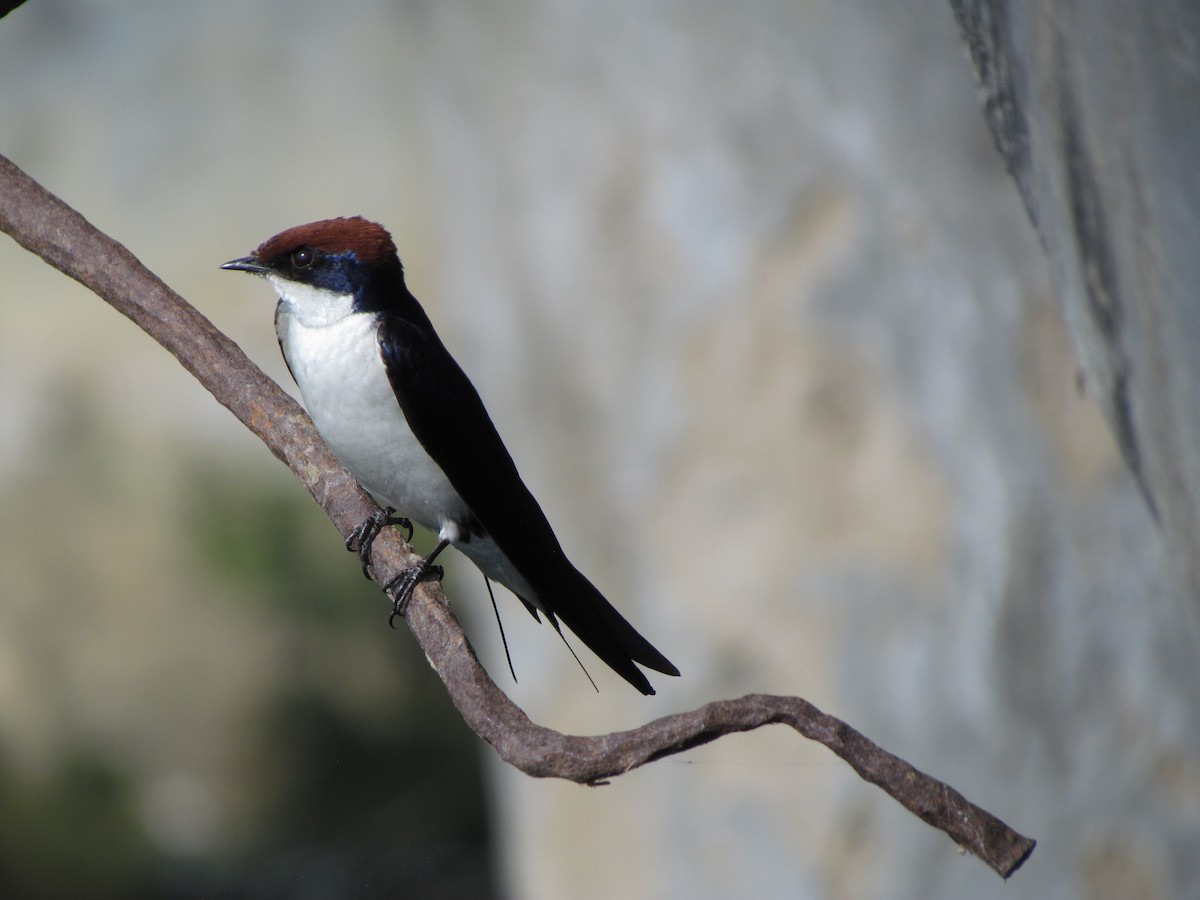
[
  {"x": 362, "y": 537},
  {"x": 405, "y": 583}
]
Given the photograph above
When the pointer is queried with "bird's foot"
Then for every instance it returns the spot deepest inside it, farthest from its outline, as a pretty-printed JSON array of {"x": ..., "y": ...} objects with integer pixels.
[
  {"x": 362, "y": 537},
  {"x": 405, "y": 583}
]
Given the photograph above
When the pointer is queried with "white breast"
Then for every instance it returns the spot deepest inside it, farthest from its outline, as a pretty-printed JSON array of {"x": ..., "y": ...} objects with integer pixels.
[
  {"x": 337, "y": 365},
  {"x": 333, "y": 353}
]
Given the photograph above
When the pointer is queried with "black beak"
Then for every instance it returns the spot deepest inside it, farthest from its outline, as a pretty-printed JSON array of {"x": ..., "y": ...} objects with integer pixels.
[{"x": 246, "y": 264}]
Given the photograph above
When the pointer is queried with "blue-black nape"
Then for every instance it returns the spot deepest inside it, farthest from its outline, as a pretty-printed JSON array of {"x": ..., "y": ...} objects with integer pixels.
[
  {"x": 380, "y": 287},
  {"x": 375, "y": 287}
]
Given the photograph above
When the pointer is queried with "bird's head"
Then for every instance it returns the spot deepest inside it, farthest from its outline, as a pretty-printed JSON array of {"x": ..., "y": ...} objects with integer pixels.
[{"x": 329, "y": 265}]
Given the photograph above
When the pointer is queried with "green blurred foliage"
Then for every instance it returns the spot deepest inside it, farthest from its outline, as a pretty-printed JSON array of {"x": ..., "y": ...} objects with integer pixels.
[
  {"x": 275, "y": 547},
  {"x": 73, "y": 833},
  {"x": 354, "y": 775}
]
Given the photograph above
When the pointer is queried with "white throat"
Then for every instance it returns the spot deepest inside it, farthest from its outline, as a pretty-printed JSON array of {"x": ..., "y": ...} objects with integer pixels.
[{"x": 313, "y": 307}]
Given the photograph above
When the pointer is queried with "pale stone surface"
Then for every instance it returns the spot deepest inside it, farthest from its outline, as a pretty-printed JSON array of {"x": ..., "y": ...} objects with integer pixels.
[
  {"x": 1095, "y": 109},
  {"x": 761, "y": 316}
]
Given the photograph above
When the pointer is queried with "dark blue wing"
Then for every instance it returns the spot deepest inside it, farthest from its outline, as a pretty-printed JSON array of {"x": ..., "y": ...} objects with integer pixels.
[{"x": 447, "y": 416}]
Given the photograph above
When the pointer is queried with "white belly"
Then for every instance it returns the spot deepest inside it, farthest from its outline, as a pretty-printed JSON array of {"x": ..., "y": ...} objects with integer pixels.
[
  {"x": 342, "y": 378},
  {"x": 345, "y": 387}
]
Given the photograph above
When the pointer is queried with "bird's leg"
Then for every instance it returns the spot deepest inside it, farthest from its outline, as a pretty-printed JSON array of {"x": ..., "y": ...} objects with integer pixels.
[
  {"x": 362, "y": 537},
  {"x": 406, "y": 581}
]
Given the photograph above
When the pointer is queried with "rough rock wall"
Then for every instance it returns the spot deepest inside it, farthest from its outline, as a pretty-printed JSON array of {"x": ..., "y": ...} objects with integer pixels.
[
  {"x": 1095, "y": 108},
  {"x": 832, "y": 412},
  {"x": 759, "y": 312}
]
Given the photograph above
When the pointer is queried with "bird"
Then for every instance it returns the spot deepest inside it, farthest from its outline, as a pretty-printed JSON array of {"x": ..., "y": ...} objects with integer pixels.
[{"x": 403, "y": 417}]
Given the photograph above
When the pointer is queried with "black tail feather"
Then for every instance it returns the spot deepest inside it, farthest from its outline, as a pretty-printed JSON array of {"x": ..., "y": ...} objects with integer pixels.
[
  {"x": 503, "y": 639},
  {"x": 584, "y": 610}
]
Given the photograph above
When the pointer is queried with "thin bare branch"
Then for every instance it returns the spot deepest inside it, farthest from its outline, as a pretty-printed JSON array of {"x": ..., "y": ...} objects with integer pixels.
[{"x": 49, "y": 228}]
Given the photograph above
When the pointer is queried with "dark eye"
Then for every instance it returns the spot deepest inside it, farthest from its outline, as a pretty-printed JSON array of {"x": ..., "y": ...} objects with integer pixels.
[{"x": 303, "y": 258}]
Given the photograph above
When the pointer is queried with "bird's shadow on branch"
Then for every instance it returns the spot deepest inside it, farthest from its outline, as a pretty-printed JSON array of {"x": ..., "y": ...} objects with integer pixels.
[{"x": 47, "y": 227}]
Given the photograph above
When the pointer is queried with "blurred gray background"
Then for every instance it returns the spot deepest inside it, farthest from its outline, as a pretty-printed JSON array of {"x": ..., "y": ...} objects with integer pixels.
[{"x": 762, "y": 319}]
